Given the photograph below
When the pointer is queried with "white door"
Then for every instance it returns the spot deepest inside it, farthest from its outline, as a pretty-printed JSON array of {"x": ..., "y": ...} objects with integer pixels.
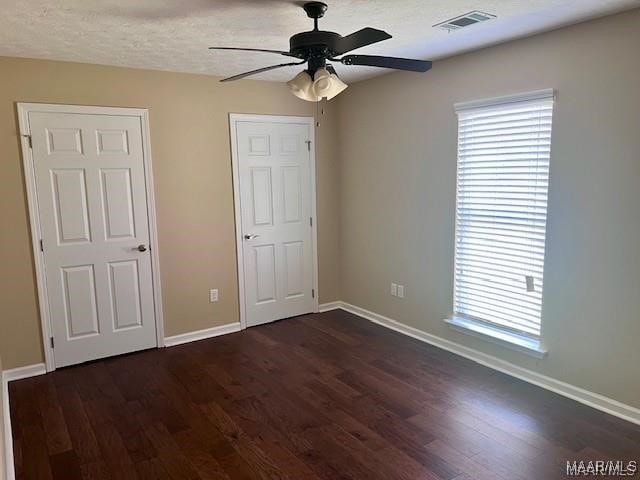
[
  {"x": 275, "y": 180},
  {"x": 92, "y": 208}
]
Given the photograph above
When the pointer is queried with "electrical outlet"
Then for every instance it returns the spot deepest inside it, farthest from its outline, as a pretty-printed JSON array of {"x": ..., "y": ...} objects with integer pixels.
[
  {"x": 394, "y": 290},
  {"x": 213, "y": 295},
  {"x": 400, "y": 291}
]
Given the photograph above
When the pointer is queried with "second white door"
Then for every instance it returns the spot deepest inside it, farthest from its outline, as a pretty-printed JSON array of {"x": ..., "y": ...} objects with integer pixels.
[{"x": 275, "y": 181}]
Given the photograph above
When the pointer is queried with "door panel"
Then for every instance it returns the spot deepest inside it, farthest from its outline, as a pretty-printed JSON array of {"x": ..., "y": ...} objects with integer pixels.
[
  {"x": 265, "y": 273},
  {"x": 81, "y": 315},
  {"x": 117, "y": 203},
  {"x": 69, "y": 190},
  {"x": 261, "y": 196},
  {"x": 113, "y": 142},
  {"x": 125, "y": 294},
  {"x": 292, "y": 194},
  {"x": 294, "y": 269},
  {"x": 64, "y": 141},
  {"x": 92, "y": 207},
  {"x": 275, "y": 202}
]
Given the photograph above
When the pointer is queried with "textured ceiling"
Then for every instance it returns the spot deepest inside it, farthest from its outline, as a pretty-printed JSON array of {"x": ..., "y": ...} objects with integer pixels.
[{"x": 174, "y": 34}]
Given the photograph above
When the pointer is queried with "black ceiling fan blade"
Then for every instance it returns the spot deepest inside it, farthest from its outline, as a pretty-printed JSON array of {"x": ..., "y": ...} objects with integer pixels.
[
  {"x": 387, "y": 62},
  {"x": 279, "y": 52},
  {"x": 361, "y": 38},
  {"x": 259, "y": 70}
]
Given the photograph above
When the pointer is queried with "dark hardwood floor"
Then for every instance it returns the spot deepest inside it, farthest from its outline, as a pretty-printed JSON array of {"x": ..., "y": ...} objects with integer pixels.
[{"x": 326, "y": 396}]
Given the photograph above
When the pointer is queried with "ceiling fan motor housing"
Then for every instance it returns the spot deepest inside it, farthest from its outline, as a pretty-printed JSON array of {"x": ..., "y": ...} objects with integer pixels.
[
  {"x": 315, "y": 41},
  {"x": 315, "y": 46}
]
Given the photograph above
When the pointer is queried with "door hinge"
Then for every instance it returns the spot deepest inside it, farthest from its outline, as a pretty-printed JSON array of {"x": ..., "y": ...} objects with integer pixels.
[
  {"x": 308, "y": 142},
  {"x": 41, "y": 245},
  {"x": 313, "y": 293},
  {"x": 52, "y": 342},
  {"x": 311, "y": 221},
  {"x": 28, "y": 137}
]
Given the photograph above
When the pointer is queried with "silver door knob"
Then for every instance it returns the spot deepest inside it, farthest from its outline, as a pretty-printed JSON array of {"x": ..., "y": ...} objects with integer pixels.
[
  {"x": 142, "y": 248},
  {"x": 251, "y": 237}
]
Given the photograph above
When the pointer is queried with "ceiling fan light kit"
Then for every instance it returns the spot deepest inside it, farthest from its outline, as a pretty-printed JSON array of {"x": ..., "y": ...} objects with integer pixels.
[
  {"x": 320, "y": 80},
  {"x": 324, "y": 84}
]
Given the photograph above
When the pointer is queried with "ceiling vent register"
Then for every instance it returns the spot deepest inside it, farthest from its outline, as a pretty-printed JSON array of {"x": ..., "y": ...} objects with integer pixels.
[{"x": 465, "y": 20}]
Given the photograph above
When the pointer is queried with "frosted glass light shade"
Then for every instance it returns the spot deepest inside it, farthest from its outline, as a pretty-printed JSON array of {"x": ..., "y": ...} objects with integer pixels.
[
  {"x": 326, "y": 85},
  {"x": 301, "y": 86}
]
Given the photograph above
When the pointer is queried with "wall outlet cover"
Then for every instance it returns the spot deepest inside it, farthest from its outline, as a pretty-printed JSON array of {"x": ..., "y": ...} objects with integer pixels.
[{"x": 213, "y": 295}]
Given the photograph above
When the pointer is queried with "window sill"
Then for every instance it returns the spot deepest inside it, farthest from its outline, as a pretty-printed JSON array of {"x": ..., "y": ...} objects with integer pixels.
[{"x": 520, "y": 343}]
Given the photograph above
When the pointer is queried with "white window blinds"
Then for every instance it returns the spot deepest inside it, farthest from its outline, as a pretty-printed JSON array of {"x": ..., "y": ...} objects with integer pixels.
[{"x": 501, "y": 210}]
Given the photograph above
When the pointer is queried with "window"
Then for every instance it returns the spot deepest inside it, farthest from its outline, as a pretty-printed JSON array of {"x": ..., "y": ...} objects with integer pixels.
[{"x": 501, "y": 211}]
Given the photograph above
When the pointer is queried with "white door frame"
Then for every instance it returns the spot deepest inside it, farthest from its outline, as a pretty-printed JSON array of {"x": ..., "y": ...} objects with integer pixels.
[
  {"x": 32, "y": 199},
  {"x": 234, "y": 118}
]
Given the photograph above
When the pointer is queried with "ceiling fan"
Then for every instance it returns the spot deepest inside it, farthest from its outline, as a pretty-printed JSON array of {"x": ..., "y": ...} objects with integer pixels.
[{"x": 317, "y": 47}]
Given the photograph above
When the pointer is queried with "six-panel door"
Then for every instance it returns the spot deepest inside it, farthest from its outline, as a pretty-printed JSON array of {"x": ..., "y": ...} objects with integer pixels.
[
  {"x": 92, "y": 207},
  {"x": 275, "y": 196}
]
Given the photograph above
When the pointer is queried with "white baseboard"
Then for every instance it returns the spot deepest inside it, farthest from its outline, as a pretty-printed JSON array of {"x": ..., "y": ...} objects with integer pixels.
[
  {"x": 327, "y": 307},
  {"x": 594, "y": 400},
  {"x": 8, "y": 438},
  {"x": 202, "y": 334},
  {"x": 24, "y": 372},
  {"x": 9, "y": 376},
  {"x": 9, "y": 472}
]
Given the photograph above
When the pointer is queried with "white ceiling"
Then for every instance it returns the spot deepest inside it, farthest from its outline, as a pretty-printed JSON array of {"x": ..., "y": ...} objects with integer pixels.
[{"x": 174, "y": 34}]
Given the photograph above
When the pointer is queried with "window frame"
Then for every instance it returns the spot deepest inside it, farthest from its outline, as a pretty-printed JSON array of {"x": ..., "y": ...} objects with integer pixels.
[{"x": 503, "y": 335}]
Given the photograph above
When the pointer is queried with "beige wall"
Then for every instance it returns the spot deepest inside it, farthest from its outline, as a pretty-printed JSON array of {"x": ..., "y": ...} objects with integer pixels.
[
  {"x": 192, "y": 169},
  {"x": 398, "y": 161}
]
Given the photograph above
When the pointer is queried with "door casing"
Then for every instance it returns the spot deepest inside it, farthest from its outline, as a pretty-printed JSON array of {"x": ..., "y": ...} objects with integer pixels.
[
  {"x": 234, "y": 118},
  {"x": 32, "y": 200}
]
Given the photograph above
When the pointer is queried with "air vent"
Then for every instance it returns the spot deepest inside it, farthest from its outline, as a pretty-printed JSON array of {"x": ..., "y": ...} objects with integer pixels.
[{"x": 465, "y": 20}]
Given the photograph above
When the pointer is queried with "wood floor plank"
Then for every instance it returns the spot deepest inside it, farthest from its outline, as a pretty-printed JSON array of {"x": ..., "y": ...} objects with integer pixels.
[
  {"x": 65, "y": 466},
  {"x": 200, "y": 455},
  {"x": 170, "y": 455},
  {"x": 464, "y": 464},
  {"x": 82, "y": 436},
  {"x": 262, "y": 464},
  {"x": 151, "y": 469},
  {"x": 323, "y": 396},
  {"x": 253, "y": 418},
  {"x": 115, "y": 453},
  {"x": 53, "y": 422},
  {"x": 38, "y": 465}
]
